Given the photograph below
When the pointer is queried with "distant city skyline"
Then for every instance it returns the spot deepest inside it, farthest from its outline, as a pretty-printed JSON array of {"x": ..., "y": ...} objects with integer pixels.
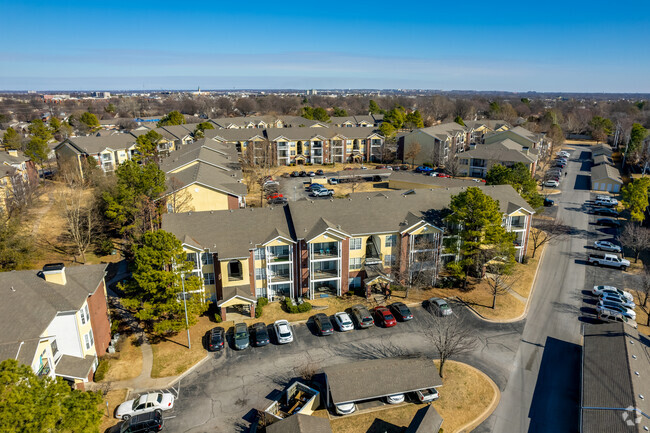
[{"x": 573, "y": 46}]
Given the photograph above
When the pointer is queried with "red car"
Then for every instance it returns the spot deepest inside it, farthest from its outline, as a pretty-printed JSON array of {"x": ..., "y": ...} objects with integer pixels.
[
  {"x": 385, "y": 317},
  {"x": 273, "y": 196},
  {"x": 443, "y": 175}
]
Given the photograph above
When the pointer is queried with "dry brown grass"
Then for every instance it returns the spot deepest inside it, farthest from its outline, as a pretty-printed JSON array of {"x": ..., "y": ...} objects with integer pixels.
[
  {"x": 641, "y": 316},
  {"x": 171, "y": 356},
  {"x": 274, "y": 311},
  {"x": 525, "y": 273},
  {"x": 114, "y": 398},
  {"x": 464, "y": 396},
  {"x": 345, "y": 189},
  {"x": 126, "y": 364}
]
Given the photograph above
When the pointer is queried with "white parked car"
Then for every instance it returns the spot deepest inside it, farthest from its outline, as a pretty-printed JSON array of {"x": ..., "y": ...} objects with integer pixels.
[
  {"x": 345, "y": 408},
  {"x": 283, "y": 331},
  {"x": 609, "y": 202},
  {"x": 607, "y": 297},
  {"x": 145, "y": 403},
  {"x": 607, "y": 246},
  {"x": 563, "y": 153},
  {"x": 599, "y": 290},
  {"x": 343, "y": 321},
  {"x": 427, "y": 395},
  {"x": 552, "y": 183},
  {"x": 395, "y": 399}
]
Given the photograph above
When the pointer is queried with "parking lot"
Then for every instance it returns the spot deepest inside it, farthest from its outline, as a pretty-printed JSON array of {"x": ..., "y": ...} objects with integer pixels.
[{"x": 223, "y": 393}]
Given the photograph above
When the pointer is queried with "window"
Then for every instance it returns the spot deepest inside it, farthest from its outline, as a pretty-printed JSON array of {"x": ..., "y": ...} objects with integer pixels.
[
  {"x": 391, "y": 240},
  {"x": 84, "y": 314},
  {"x": 206, "y": 258},
  {"x": 260, "y": 254},
  {"x": 191, "y": 257},
  {"x": 355, "y": 243},
  {"x": 260, "y": 274},
  {"x": 354, "y": 283},
  {"x": 55, "y": 347},
  {"x": 87, "y": 340},
  {"x": 208, "y": 278},
  {"x": 234, "y": 270},
  {"x": 92, "y": 340},
  {"x": 355, "y": 263},
  {"x": 389, "y": 260}
]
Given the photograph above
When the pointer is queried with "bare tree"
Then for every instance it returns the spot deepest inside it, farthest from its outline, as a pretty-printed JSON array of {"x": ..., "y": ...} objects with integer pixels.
[
  {"x": 547, "y": 231},
  {"x": 180, "y": 199},
  {"x": 643, "y": 295},
  {"x": 79, "y": 213},
  {"x": 412, "y": 151},
  {"x": 246, "y": 106},
  {"x": 499, "y": 280},
  {"x": 450, "y": 337},
  {"x": 636, "y": 238},
  {"x": 420, "y": 273},
  {"x": 452, "y": 166}
]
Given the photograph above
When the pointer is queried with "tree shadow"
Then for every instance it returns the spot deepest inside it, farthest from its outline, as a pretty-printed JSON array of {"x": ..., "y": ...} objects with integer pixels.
[
  {"x": 376, "y": 350},
  {"x": 381, "y": 426}
]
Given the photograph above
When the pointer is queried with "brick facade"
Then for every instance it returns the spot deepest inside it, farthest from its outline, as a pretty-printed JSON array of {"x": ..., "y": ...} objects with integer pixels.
[
  {"x": 345, "y": 265},
  {"x": 233, "y": 202},
  {"x": 99, "y": 319}
]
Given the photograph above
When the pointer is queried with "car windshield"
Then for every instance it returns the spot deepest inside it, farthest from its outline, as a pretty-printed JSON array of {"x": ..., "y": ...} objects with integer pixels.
[
  {"x": 135, "y": 404},
  {"x": 240, "y": 335},
  {"x": 216, "y": 337},
  {"x": 389, "y": 317},
  {"x": 261, "y": 333},
  {"x": 404, "y": 310},
  {"x": 285, "y": 334},
  {"x": 443, "y": 306},
  {"x": 367, "y": 319}
]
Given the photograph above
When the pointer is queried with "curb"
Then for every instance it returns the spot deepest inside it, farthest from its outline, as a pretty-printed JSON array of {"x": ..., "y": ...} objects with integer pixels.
[
  {"x": 526, "y": 308},
  {"x": 488, "y": 411},
  {"x": 188, "y": 371}
]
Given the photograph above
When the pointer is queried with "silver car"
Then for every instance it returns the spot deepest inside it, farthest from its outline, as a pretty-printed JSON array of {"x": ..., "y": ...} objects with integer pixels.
[
  {"x": 607, "y": 246},
  {"x": 440, "y": 306},
  {"x": 283, "y": 331},
  {"x": 343, "y": 321}
]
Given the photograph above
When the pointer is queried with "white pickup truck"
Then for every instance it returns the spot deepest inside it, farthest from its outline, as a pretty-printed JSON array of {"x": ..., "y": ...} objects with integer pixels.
[{"x": 611, "y": 260}]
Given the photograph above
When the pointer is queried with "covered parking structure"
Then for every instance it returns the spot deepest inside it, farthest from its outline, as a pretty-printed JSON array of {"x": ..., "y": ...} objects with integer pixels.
[
  {"x": 604, "y": 177},
  {"x": 373, "y": 379}
]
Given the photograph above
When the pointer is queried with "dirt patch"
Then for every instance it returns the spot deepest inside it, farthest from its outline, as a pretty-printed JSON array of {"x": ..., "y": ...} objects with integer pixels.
[
  {"x": 127, "y": 363},
  {"x": 114, "y": 398},
  {"x": 464, "y": 396},
  {"x": 344, "y": 189}
]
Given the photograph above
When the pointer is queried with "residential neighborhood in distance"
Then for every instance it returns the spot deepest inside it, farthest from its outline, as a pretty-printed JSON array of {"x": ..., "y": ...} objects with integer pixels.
[{"x": 341, "y": 219}]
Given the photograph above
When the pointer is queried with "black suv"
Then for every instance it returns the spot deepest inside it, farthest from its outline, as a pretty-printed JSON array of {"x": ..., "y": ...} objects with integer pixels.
[
  {"x": 216, "y": 339},
  {"x": 323, "y": 324},
  {"x": 143, "y": 423}
]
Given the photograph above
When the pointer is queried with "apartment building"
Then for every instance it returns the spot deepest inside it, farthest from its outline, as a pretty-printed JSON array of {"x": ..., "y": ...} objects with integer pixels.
[
  {"x": 204, "y": 175},
  {"x": 56, "y": 320},
  {"x": 325, "y": 248},
  {"x": 268, "y": 121},
  {"x": 523, "y": 137},
  {"x": 17, "y": 175},
  {"x": 284, "y": 146},
  {"x": 437, "y": 143},
  {"x": 506, "y": 152},
  {"x": 481, "y": 128},
  {"x": 109, "y": 150},
  {"x": 363, "y": 121}
]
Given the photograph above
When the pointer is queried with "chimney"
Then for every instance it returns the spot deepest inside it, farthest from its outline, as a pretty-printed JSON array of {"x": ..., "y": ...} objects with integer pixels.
[{"x": 54, "y": 273}]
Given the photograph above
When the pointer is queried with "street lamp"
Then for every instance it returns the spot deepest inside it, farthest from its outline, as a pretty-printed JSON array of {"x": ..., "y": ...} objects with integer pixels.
[{"x": 187, "y": 324}]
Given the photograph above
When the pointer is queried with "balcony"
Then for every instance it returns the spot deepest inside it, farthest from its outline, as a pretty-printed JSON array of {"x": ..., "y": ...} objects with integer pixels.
[
  {"x": 324, "y": 274},
  {"x": 325, "y": 250},
  {"x": 373, "y": 256},
  {"x": 280, "y": 277},
  {"x": 278, "y": 254}
]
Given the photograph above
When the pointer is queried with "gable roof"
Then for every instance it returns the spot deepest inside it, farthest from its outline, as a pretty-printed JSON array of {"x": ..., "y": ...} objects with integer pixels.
[
  {"x": 606, "y": 171},
  {"x": 30, "y": 303},
  {"x": 443, "y": 130},
  {"x": 230, "y": 233},
  {"x": 300, "y": 423},
  {"x": 505, "y": 150},
  {"x": 95, "y": 144}
]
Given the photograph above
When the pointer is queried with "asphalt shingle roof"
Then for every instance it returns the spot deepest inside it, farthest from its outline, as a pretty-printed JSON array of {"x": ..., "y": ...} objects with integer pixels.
[
  {"x": 30, "y": 303},
  {"x": 93, "y": 144},
  {"x": 300, "y": 423},
  {"x": 359, "y": 381}
]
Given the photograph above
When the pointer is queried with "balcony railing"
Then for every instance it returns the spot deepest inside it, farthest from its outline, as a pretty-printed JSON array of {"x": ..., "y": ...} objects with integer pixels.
[
  {"x": 279, "y": 277},
  {"x": 327, "y": 253},
  {"x": 320, "y": 274},
  {"x": 278, "y": 258}
]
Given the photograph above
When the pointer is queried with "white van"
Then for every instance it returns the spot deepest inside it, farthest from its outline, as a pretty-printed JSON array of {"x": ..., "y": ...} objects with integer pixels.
[{"x": 606, "y": 315}]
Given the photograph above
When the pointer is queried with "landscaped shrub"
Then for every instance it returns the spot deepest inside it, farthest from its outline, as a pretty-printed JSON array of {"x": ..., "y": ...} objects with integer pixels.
[
  {"x": 258, "y": 311},
  {"x": 428, "y": 164},
  {"x": 101, "y": 371},
  {"x": 294, "y": 309},
  {"x": 217, "y": 317},
  {"x": 263, "y": 302}
]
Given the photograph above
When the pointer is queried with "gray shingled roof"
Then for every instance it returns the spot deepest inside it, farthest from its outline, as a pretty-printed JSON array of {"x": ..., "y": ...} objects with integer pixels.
[
  {"x": 358, "y": 381},
  {"x": 616, "y": 373},
  {"x": 207, "y": 175},
  {"x": 28, "y": 309},
  {"x": 502, "y": 151},
  {"x": 75, "y": 367},
  {"x": 93, "y": 145},
  {"x": 490, "y": 124},
  {"x": 231, "y": 233},
  {"x": 300, "y": 423},
  {"x": 605, "y": 171},
  {"x": 444, "y": 130}
]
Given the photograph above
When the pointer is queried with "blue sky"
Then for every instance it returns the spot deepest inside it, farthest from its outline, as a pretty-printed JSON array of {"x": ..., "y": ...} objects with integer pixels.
[{"x": 571, "y": 45}]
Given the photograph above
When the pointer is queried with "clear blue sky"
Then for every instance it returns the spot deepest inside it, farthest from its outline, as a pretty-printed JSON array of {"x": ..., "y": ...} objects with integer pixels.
[{"x": 570, "y": 45}]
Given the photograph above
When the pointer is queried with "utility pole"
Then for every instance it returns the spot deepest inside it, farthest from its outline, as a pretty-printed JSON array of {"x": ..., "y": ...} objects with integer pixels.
[{"x": 187, "y": 324}]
